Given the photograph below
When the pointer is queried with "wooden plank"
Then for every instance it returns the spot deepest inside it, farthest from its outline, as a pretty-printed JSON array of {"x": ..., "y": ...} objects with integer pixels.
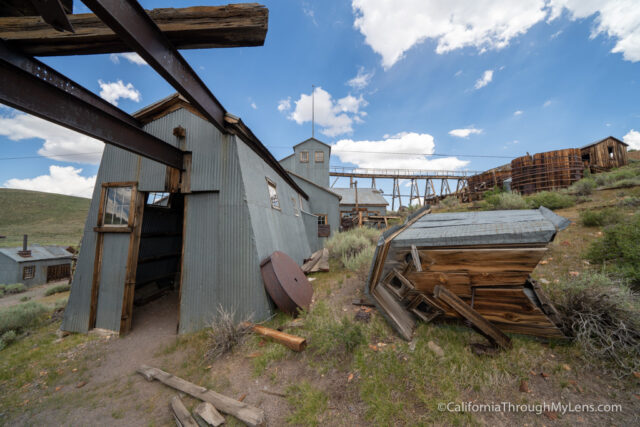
[
  {"x": 311, "y": 262},
  {"x": 293, "y": 342},
  {"x": 206, "y": 414},
  {"x": 499, "y": 278},
  {"x": 458, "y": 283},
  {"x": 416, "y": 258},
  {"x": 483, "y": 325},
  {"x": 481, "y": 260},
  {"x": 246, "y": 413},
  {"x": 181, "y": 414},
  {"x": 323, "y": 265},
  {"x": 200, "y": 27},
  {"x": 132, "y": 260}
]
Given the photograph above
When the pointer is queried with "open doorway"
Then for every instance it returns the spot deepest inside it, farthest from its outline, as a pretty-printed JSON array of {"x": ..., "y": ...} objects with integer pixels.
[{"x": 156, "y": 295}]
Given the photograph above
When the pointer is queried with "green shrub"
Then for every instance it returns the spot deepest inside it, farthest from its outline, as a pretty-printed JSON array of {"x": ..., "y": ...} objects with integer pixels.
[
  {"x": 604, "y": 318},
  {"x": 451, "y": 202},
  {"x": 503, "y": 200},
  {"x": 629, "y": 202},
  {"x": 7, "y": 339},
  {"x": 329, "y": 337},
  {"x": 63, "y": 287},
  {"x": 584, "y": 187},
  {"x": 596, "y": 218},
  {"x": 619, "y": 249},
  {"x": 626, "y": 183},
  {"x": 21, "y": 317},
  {"x": 550, "y": 199},
  {"x": 360, "y": 263},
  {"x": 347, "y": 247},
  {"x": 16, "y": 288}
]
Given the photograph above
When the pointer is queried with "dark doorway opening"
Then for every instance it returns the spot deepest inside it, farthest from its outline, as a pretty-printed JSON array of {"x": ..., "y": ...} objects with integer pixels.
[{"x": 160, "y": 254}]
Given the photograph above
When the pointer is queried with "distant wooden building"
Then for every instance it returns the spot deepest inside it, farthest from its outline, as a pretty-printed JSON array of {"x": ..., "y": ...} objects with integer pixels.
[{"x": 604, "y": 154}]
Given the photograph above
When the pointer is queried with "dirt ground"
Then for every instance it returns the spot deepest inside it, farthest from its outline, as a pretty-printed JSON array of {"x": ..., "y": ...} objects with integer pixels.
[{"x": 36, "y": 293}]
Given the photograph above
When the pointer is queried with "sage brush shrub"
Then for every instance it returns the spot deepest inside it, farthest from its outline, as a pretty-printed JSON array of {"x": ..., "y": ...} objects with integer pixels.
[
  {"x": 619, "y": 249},
  {"x": 7, "y": 338},
  {"x": 64, "y": 287},
  {"x": 16, "y": 288},
  {"x": 584, "y": 187},
  {"x": 21, "y": 317},
  {"x": 595, "y": 218},
  {"x": 329, "y": 337},
  {"x": 550, "y": 199},
  {"x": 505, "y": 201},
  {"x": 360, "y": 263}
]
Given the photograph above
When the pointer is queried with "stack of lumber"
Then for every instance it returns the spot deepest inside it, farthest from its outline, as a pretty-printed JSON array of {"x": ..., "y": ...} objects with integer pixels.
[
  {"x": 319, "y": 261},
  {"x": 482, "y": 258}
]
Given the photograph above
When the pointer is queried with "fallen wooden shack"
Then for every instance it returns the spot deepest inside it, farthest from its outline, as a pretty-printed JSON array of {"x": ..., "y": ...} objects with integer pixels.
[{"x": 483, "y": 258}]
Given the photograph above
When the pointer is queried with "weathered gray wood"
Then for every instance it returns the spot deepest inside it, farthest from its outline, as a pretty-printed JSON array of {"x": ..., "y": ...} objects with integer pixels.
[
  {"x": 485, "y": 327},
  {"x": 315, "y": 259},
  {"x": 416, "y": 258},
  {"x": 206, "y": 415},
  {"x": 248, "y": 414},
  {"x": 181, "y": 414}
]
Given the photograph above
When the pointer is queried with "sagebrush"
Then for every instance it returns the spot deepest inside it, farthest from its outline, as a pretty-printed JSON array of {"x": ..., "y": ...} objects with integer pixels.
[
  {"x": 21, "y": 317},
  {"x": 595, "y": 218},
  {"x": 225, "y": 333},
  {"x": 63, "y": 287}
]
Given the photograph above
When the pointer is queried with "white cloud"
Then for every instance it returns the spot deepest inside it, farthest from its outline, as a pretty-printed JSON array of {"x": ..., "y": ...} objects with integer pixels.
[
  {"x": 458, "y": 73},
  {"x": 112, "y": 91},
  {"x": 63, "y": 180},
  {"x": 334, "y": 117},
  {"x": 464, "y": 133},
  {"x": 307, "y": 10},
  {"x": 633, "y": 139},
  {"x": 59, "y": 143},
  {"x": 547, "y": 103},
  {"x": 555, "y": 35},
  {"x": 254, "y": 106},
  {"x": 486, "y": 78},
  {"x": 392, "y": 28},
  {"x": 284, "y": 104},
  {"x": 361, "y": 80},
  {"x": 518, "y": 112},
  {"x": 384, "y": 153},
  {"x": 132, "y": 57}
]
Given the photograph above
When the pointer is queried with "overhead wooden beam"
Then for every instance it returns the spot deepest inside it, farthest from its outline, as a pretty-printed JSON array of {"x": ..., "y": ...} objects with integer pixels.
[{"x": 201, "y": 27}]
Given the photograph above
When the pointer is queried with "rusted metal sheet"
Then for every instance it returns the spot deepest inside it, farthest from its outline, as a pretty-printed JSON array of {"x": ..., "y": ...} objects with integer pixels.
[{"x": 286, "y": 283}]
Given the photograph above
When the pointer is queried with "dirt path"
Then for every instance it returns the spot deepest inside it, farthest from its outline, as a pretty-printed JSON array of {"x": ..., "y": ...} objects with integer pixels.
[{"x": 35, "y": 293}]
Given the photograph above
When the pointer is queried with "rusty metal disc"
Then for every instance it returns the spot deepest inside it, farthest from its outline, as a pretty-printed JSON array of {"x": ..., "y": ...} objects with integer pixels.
[{"x": 286, "y": 283}]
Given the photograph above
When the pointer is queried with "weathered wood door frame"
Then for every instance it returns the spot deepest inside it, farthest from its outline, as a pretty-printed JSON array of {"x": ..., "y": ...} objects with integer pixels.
[{"x": 133, "y": 227}]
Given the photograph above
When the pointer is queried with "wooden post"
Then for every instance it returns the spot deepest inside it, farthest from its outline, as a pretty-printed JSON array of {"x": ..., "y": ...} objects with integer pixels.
[
  {"x": 293, "y": 342},
  {"x": 181, "y": 413},
  {"x": 246, "y": 413}
]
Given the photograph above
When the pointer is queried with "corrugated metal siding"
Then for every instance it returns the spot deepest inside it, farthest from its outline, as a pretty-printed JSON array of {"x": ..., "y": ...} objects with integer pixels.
[
  {"x": 112, "y": 277},
  {"x": 8, "y": 270},
  {"x": 381, "y": 210},
  {"x": 366, "y": 196},
  {"x": 321, "y": 202},
  {"x": 316, "y": 172},
  {"x": 311, "y": 227},
  {"x": 40, "y": 276}
]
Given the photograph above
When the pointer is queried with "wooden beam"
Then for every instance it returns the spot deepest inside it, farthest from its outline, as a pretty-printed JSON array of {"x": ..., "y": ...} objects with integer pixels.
[
  {"x": 416, "y": 258},
  {"x": 207, "y": 414},
  {"x": 485, "y": 327},
  {"x": 234, "y": 25},
  {"x": 181, "y": 413},
  {"x": 246, "y": 413}
]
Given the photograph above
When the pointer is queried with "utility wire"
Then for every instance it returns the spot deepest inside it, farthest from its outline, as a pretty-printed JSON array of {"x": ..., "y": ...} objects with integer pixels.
[{"x": 49, "y": 155}]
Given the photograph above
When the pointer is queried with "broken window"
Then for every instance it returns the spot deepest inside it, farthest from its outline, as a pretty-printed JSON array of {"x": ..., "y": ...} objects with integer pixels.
[
  {"x": 304, "y": 157},
  {"x": 158, "y": 199},
  {"x": 273, "y": 194},
  {"x": 117, "y": 206},
  {"x": 319, "y": 156},
  {"x": 28, "y": 272},
  {"x": 610, "y": 152},
  {"x": 296, "y": 210}
]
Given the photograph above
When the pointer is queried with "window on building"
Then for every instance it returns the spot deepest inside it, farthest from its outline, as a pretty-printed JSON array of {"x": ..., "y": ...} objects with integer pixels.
[
  {"x": 117, "y": 206},
  {"x": 322, "y": 219},
  {"x": 28, "y": 272},
  {"x": 304, "y": 157},
  {"x": 319, "y": 157},
  {"x": 160, "y": 200},
  {"x": 273, "y": 194},
  {"x": 610, "y": 152},
  {"x": 296, "y": 210}
]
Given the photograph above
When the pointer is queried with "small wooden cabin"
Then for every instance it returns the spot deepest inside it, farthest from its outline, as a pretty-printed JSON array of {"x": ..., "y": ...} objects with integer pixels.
[{"x": 604, "y": 154}]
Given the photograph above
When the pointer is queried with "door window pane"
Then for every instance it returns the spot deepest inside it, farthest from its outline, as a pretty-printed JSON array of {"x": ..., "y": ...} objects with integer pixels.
[{"x": 117, "y": 205}]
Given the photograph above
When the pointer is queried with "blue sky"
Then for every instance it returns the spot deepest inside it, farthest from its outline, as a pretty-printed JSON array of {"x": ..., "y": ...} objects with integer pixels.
[{"x": 482, "y": 78}]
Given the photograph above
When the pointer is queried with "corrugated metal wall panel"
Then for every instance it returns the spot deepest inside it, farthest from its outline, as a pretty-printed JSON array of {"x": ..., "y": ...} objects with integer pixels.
[
  {"x": 112, "y": 277},
  {"x": 9, "y": 270},
  {"x": 316, "y": 172},
  {"x": 322, "y": 202},
  {"x": 311, "y": 227}
]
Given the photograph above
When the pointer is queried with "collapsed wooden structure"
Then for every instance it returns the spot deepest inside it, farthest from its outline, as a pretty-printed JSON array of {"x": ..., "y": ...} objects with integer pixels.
[
  {"x": 546, "y": 171},
  {"x": 483, "y": 258}
]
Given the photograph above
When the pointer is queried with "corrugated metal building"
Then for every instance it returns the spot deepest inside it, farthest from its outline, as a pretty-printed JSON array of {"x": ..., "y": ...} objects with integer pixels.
[
  {"x": 35, "y": 265},
  {"x": 370, "y": 199},
  {"x": 310, "y": 160},
  {"x": 204, "y": 236}
]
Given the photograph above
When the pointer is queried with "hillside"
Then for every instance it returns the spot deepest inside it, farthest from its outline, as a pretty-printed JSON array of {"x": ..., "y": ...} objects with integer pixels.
[{"x": 47, "y": 218}]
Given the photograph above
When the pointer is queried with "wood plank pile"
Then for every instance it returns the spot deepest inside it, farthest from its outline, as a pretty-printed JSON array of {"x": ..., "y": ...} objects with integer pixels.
[{"x": 467, "y": 265}]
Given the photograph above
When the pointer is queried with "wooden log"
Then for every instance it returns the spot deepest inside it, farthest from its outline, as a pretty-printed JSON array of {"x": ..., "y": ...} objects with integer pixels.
[
  {"x": 485, "y": 327},
  {"x": 181, "y": 414},
  {"x": 206, "y": 414},
  {"x": 246, "y": 413},
  {"x": 323, "y": 265},
  {"x": 416, "y": 258},
  {"x": 200, "y": 27},
  {"x": 293, "y": 342}
]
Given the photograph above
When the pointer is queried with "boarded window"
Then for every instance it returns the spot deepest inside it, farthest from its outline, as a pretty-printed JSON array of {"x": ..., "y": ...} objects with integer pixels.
[
  {"x": 319, "y": 156},
  {"x": 273, "y": 194},
  {"x": 28, "y": 272},
  {"x": 296, "y": 210},
  {"x": 117, "y": 205},
  {"x": 160, "y": 200},
  {"x": 304, "y": 157},
  {"x": 58, "y": 272}
]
